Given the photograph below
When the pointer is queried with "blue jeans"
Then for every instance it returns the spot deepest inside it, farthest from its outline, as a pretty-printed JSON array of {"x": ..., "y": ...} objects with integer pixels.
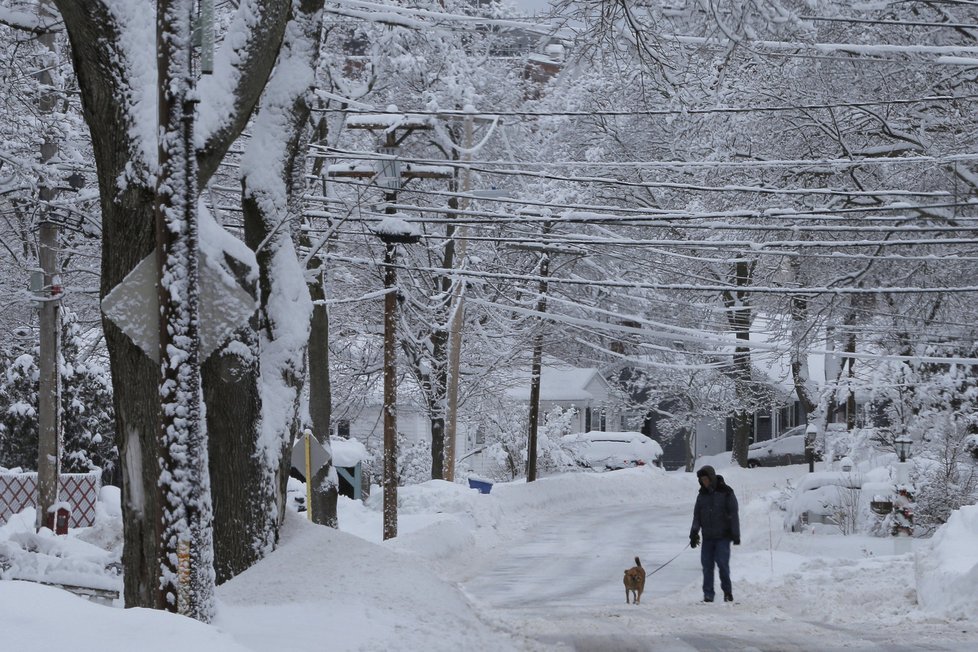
[{"x": 715, "y": 552}]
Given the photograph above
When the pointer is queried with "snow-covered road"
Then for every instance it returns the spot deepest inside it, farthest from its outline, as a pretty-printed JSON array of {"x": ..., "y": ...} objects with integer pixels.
[
  {"x": 560, "y": 582},
  {"x": 577, "y": 560}
]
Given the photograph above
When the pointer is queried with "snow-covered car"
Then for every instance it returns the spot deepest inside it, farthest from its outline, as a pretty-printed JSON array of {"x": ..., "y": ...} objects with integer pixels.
[
  {"x": 612, "y": 450},
  {"x": 787, "y": 448},
  {"x": 826, "y": 497}
]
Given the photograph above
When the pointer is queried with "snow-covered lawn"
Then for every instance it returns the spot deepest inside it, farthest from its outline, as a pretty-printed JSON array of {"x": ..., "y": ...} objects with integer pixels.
[{"x": 527, "y": 567}]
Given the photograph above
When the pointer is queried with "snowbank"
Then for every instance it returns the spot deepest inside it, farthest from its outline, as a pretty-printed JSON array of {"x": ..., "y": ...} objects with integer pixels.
[
  {"x": 37, "y": 618},
  {"x": 371, "y": 597},
  {"x": 946, "y": 567}
]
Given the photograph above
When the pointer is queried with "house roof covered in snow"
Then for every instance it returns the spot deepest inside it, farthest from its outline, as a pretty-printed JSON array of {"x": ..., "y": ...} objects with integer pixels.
[{"x": 562, "y": 382}]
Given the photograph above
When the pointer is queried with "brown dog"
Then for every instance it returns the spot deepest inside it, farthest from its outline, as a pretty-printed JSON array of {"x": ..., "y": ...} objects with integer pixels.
[{"x": 634, "y": 582}]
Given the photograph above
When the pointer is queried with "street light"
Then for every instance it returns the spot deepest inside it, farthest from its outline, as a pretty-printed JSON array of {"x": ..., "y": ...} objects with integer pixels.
[
  {"x": 902, "y": 444},
  {"x": 903, "y": 500}
]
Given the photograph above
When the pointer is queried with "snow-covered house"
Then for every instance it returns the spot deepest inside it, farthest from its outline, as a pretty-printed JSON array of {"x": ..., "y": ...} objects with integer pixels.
[
  {"x": 780, "y": 409},
  {"x": 825, "y": 371},
  {"x": 583, "y": 389},
  {"x": 596, "y": 405}
]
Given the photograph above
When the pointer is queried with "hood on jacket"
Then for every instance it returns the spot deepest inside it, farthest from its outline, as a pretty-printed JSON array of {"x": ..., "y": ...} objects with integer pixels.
[{"x": 709, "y": 472}]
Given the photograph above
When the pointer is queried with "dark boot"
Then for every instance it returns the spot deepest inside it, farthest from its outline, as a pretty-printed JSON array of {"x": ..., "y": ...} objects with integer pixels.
[{"x": 728, "y": 597}]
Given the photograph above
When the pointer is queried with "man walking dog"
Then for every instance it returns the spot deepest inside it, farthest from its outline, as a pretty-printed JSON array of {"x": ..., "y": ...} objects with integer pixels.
[{"x": 716, "y": 513}]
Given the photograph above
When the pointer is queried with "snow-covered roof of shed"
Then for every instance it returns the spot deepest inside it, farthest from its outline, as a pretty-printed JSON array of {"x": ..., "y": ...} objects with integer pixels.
[{"x": 347, "y": 452}]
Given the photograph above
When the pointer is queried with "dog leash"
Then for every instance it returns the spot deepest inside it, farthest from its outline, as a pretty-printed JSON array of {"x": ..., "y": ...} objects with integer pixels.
[{"x": 668, "y": 562}]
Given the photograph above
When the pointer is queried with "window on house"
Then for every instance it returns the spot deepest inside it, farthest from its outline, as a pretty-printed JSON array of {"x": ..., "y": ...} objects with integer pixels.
[{"x": 587, "y": 419}]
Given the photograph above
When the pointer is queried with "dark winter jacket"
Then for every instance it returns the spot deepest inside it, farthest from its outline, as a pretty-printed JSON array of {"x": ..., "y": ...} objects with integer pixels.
[{"x": 716, "y": 510}]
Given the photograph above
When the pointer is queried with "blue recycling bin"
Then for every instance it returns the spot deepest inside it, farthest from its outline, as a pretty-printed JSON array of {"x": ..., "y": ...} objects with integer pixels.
[{"x": 483, "y": 486}]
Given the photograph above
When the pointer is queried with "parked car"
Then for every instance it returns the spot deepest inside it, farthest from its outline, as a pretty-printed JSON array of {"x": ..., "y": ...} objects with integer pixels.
[
  {"x": 786, "y": 448},
  {"x": 830, "y": 498},
  {"x": 605, "y": 451}
]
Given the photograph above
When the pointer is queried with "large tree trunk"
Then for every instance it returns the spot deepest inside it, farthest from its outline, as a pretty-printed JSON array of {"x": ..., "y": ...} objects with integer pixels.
[
  {"x": 740, "y": 316},
  {"x": 271, "y": 168},
  {"x": 127, "y": 238},
  {"x": 813, "y": 401},
  {"x": 100, "y": 63},
  {"x": 239, "y": 484},
  {"x": 325, "y": 489}
]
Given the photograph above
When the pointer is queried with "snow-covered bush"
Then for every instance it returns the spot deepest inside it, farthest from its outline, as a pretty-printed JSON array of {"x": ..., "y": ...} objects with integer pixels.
[
  {"x": 506, "y": 443},
  {"x": 18, "y": 412},
  {"x": 551, "y": 454},
  {"x": 945, "y": 477},
  {"x": 87, "y": 414},
  {"x": 413, "y": 461}
]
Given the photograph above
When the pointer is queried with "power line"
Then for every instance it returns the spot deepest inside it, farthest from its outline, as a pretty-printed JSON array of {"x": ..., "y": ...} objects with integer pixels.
[
  {"x": 717, "y": 339},
  {"x": 606, "y": 214},
  {"x": 346, "y": 154},
  {"x": 655, "y": 246},
  {"x": 661, "y": 112},
  {"x": 719, "y": 287},
  {"x": 690, "y": 187},
  {"x": 879, "y": 21},
  {"x": 618, "y": 214},
  {"x": 372, "y": 216}
]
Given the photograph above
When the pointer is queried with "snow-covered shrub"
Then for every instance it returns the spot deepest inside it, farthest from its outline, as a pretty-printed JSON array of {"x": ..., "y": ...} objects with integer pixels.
[
  {"x": 87, "y": 414},
  {"x": 837, "y": 443},
  {"x": 843, "y": 512},
  {"x": 971, "y": 445},
  {"x": 551, "y": 455},
  {"x": 413, "y": 461},
  {"x": 945, "y": 477},
  {"x": 506, "y": 443},
  {"x": 18, "y": 412}
]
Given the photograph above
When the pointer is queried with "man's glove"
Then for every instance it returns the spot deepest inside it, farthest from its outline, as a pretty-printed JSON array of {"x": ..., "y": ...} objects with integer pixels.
[
  {"x": 694, "y": 540},
  {"x": 736, "y": 541}
]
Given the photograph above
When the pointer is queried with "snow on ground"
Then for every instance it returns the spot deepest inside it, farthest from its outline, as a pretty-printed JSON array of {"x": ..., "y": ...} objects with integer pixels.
[{"x": 526, "y": 567}]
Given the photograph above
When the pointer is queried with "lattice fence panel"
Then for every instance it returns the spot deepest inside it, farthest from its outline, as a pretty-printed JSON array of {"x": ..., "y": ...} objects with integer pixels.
[{"x": 80, "y": 490}]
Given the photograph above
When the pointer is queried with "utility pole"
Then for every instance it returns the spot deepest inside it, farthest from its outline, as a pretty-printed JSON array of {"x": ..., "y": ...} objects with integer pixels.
[
  {"x": 49, "y": 390},
  {"x": 392, "y": 181},
  {"x": 536, "y": 365},
  {"x": 536, "y": 368},
  {"x": 391, "y": 236},
  {"x": 391, "y": 232},
  {"x": 458, "y": 313},
  {"x": 390, "y": 391}
]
